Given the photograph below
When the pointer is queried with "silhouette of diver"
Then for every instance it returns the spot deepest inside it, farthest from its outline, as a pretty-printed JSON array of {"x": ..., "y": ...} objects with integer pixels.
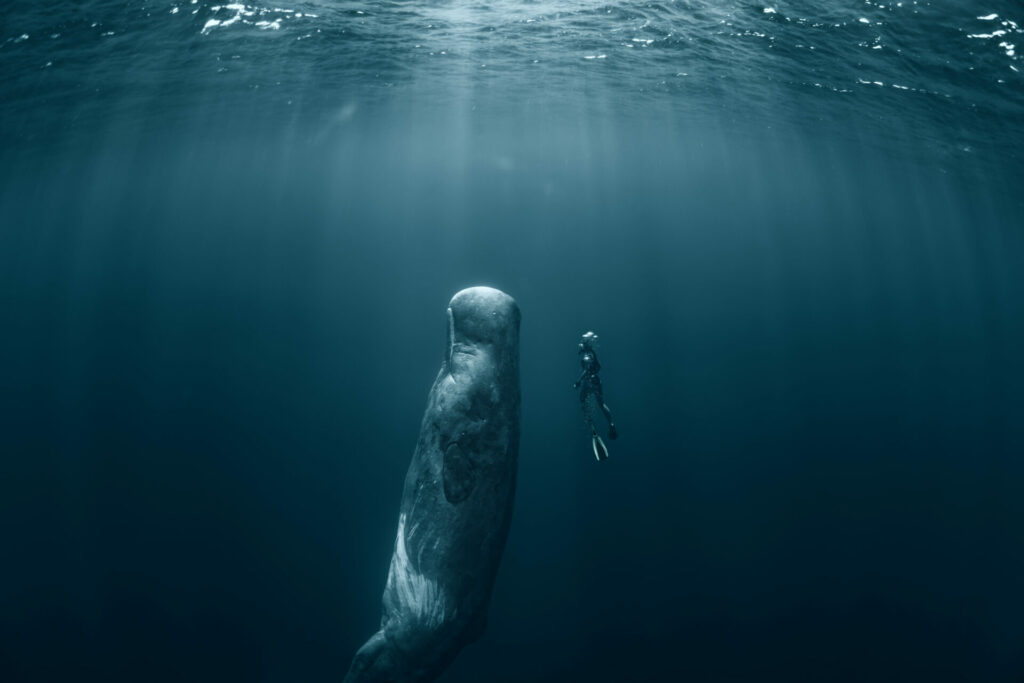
[{"x": 591, "y": 391}]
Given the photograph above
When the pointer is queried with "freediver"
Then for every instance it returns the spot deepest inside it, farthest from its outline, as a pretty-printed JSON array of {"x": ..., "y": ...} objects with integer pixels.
[{"x": 591, "y": 389}]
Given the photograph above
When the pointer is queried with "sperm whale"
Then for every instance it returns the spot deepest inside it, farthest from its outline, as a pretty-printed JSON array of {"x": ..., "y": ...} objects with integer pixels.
[{"x": 457, "y": 502}]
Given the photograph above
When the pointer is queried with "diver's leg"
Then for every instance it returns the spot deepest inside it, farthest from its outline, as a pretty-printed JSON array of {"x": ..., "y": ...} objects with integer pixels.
[
  {"x": 584, "y": 393},
  {"x": 600, "y": 450},
  {"x": 612, "y": 432}
]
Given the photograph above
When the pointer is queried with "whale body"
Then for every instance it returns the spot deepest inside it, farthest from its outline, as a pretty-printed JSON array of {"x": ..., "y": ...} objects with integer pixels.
[{"x": 457, "y": 502}]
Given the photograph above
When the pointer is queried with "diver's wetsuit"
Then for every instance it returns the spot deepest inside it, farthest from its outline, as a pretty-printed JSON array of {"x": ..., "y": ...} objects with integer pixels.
[{"x": 591, "y": 385}]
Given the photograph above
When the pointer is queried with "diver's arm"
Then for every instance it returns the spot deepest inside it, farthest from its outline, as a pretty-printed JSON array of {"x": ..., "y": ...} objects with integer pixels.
[{"x": 582, "y": 375}]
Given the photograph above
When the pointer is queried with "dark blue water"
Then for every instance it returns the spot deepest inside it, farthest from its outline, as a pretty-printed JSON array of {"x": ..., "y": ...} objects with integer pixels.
[{"x": 228, "y": 234}]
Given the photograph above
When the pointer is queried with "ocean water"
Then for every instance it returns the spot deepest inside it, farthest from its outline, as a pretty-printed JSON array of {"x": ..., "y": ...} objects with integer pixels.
[{"x": 228, "y": 233}]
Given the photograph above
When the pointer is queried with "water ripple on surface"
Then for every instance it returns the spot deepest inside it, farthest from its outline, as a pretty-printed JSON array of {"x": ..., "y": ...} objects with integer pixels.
[
  {"x": 262, "y": 18},
  {"x": 931, "y": 65}
]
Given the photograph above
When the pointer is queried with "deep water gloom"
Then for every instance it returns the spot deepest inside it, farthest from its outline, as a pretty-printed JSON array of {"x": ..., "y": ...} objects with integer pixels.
[{"x": 228, "y": 236}]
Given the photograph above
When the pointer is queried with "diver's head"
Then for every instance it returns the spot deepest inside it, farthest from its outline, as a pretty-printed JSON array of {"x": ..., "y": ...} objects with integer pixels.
[{"x": 588, "y": 340}]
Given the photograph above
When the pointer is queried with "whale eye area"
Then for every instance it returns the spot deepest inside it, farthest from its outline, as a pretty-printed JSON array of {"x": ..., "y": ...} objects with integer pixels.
[{"x": 459, "y": 474}]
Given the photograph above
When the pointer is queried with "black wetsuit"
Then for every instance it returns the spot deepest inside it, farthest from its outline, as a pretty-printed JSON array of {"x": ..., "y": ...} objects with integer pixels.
[
  {"x": 590, "y": 385},
  {"x": 589, "y": 380}
]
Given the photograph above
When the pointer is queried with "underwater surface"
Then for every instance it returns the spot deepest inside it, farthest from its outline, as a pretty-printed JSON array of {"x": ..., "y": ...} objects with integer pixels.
[{"x": 228, "y": 233}]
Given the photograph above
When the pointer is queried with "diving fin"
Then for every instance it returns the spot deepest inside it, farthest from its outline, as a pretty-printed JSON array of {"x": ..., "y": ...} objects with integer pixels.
[{"x": 600, "y": 450}]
